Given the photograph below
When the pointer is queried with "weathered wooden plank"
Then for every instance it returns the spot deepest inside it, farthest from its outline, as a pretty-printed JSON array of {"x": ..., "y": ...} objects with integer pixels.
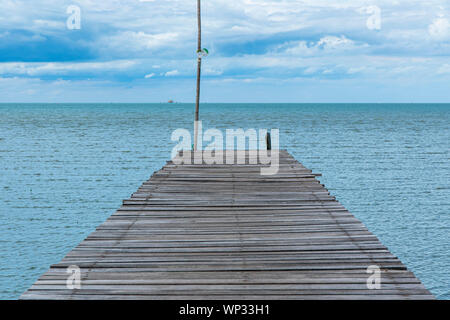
[
  {"x": 58, "y": 296},
  {"x": 359, "y": 275}
]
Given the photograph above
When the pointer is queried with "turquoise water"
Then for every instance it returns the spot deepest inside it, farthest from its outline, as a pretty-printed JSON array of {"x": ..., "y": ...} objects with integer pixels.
[{"x": 65, "y": 168}]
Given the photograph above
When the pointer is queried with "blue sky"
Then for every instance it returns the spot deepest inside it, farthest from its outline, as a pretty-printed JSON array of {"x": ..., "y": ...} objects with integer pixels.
[{"x": 260, "y": 51}]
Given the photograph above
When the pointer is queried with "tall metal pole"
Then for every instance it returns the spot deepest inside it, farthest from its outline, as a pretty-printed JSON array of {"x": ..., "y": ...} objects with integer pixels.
[{"x": 199, "y": 68}]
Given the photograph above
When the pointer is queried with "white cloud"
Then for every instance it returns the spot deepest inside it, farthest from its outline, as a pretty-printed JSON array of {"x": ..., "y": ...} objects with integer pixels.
[
  {"x": 36, "y": 68},
  {"x": 132, "y": 42},
  {"x": 355, "y": 70},
  {"x": 172, "y": 73},
  {"x": 332, "y": 43},
  {"x": 212, "y": 72},
  {"x": 150, "y": 75},
  {"x": 49, "y": 24},
  {"x": 440, "y": 29},
  {"x": 444, "y": 69},
  {"x": 326, "y": 45}
]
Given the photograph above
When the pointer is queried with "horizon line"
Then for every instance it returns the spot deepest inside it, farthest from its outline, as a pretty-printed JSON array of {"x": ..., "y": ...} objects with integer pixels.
[{"x": 175, "y": 103}]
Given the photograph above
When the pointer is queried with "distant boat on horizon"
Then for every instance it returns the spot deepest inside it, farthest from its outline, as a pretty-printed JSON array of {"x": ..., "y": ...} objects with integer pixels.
[{"x": 170, "y": 101}]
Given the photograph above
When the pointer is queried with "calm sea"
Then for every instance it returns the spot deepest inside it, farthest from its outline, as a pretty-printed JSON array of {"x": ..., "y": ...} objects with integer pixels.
[{"x": 65, "y": 168}]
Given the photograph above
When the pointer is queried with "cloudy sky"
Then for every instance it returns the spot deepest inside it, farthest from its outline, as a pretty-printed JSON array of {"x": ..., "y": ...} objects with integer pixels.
[{"x": 260, "y": 51}]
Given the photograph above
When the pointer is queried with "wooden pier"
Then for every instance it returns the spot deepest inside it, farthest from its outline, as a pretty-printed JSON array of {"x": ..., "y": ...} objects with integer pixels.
[{"x": 228, "y": 232}]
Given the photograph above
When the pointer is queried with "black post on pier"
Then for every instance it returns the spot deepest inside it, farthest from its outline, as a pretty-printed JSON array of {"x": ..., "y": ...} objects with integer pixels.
[{"x": 268, "y": 141}]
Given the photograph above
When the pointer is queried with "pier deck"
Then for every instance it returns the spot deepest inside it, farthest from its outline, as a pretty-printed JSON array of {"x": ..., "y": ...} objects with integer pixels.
[{"x": 227, "y": 232}]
